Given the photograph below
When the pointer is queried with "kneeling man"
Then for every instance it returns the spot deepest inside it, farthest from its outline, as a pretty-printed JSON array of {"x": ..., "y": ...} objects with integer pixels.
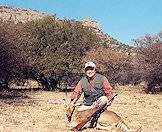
[{"x": 95, "y": 88}]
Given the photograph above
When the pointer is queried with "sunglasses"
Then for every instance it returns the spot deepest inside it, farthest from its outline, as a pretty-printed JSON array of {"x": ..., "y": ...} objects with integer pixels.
[{"x": 89, "y": 68}]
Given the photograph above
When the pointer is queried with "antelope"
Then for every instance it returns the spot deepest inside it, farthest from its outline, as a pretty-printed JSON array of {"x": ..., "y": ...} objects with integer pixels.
[{"x": 108, "y": 120}]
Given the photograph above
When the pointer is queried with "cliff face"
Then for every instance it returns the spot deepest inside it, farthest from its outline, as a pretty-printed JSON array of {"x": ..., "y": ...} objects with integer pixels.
[{"x": 19, "y": 15}]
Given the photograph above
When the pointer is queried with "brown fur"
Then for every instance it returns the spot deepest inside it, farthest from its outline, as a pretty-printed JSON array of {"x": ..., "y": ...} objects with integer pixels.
[{"x": 108, "y": 120}]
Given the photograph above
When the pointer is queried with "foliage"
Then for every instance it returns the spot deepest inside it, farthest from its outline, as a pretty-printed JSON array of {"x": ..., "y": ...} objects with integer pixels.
[
  {"x": 11, "y": 59},
  {"x": 149, "y": 59},
  {"x": 116, "y": 65},
  {"x": 48, "y": 46},
  {"x": 58, "y": 45},
  {"x": 51, "y": 50}
]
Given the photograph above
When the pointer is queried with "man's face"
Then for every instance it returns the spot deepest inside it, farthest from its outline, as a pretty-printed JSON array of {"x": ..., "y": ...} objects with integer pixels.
[{"x": 90, "y": 71}]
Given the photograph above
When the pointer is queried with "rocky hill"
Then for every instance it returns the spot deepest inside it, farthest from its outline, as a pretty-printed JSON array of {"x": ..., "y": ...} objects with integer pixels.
[
  {"x": 19, "y": 15},
  {"x": 24, "y": 15},
  {"x": 113, "y": 43}
]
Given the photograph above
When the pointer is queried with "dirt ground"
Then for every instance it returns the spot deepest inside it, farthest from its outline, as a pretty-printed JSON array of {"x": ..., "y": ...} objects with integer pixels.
[{"x": 44, "y": 111}]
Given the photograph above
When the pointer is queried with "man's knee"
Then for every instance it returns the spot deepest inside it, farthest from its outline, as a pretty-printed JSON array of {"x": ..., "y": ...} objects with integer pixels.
[
  {"x": 84, "y": 107},
  {"x": 102, "y": 100}
]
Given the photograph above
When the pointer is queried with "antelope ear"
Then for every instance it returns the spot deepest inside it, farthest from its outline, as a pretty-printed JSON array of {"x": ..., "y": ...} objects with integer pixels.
[
  {"x": 67, "y": 102},
  {"x": 69, "y": 111}
]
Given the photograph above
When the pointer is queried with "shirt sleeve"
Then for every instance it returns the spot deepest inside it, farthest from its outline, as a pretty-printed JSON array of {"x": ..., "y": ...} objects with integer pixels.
[
  {"x": 107, "y": 88},
  {"x": 77, "y": 91}
]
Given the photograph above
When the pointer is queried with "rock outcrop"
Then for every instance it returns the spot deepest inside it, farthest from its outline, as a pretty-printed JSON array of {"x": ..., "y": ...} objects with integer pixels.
[
  {"x": 19, "y": 15},
  {"x": 110, "y": 41}
]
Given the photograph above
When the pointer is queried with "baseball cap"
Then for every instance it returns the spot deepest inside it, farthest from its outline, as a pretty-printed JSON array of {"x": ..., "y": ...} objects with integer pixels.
[{"x": 90, "y": 64}]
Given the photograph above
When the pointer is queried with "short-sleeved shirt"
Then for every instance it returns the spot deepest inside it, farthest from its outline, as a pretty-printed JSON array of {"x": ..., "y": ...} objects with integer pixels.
[{"x": 105, "y": 85}]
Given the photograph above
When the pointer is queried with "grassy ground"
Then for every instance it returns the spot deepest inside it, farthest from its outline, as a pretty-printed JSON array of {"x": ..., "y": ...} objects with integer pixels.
[{"x": 43, "y": 111}]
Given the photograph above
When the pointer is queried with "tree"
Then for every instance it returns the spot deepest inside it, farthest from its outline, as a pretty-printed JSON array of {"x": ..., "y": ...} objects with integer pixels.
[
  {"x": 11, "y": 60},
  {"x": 150, "y": 59},
  {"x": 114, "y": 64}
]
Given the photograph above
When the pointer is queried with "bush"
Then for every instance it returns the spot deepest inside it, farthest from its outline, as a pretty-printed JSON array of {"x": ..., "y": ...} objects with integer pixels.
[
  {"x": 149, "y": 60},
  {"x": 48, "y": 46},
  {"x": 115, "y": 65},
  {"x": 11, "y": 60}
]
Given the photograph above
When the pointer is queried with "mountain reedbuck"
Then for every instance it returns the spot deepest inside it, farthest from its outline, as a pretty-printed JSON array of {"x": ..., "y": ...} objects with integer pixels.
[{"x": 108, "y": 120}]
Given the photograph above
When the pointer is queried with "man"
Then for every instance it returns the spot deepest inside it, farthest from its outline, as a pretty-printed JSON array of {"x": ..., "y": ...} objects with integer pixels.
[{"x": 95, "y": 88}]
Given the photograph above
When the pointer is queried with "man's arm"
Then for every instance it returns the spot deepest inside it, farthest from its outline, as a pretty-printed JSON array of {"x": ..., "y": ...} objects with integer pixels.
[
  {"x": 107, "y": 88},
  {"x": 76, "y": 93}
]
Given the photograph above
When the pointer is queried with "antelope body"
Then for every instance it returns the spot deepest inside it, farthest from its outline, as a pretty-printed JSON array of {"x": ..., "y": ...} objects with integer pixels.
[{"x": 108, "y": 120}]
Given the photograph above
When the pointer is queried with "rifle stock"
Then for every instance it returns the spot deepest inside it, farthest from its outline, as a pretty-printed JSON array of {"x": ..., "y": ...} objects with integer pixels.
[{"x": 82, "y": 123}]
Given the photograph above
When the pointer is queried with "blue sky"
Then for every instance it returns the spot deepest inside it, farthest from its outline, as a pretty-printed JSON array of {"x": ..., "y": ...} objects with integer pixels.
[{"x": 122, "y": 19}]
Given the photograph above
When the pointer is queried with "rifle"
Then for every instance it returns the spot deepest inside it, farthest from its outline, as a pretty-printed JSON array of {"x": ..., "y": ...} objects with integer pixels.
[{"x": 99, "y": 110}]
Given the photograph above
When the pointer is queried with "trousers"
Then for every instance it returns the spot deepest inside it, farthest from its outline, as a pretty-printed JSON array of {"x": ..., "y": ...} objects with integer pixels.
[{"x": 100, "y": 102}]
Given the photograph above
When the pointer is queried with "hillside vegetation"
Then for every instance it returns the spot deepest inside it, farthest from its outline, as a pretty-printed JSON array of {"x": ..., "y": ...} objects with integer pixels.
[{"x": 53, "y": 51}]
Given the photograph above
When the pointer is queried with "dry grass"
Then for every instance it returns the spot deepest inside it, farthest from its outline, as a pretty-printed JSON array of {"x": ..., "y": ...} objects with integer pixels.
[{"x": 43, "y": 111}]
